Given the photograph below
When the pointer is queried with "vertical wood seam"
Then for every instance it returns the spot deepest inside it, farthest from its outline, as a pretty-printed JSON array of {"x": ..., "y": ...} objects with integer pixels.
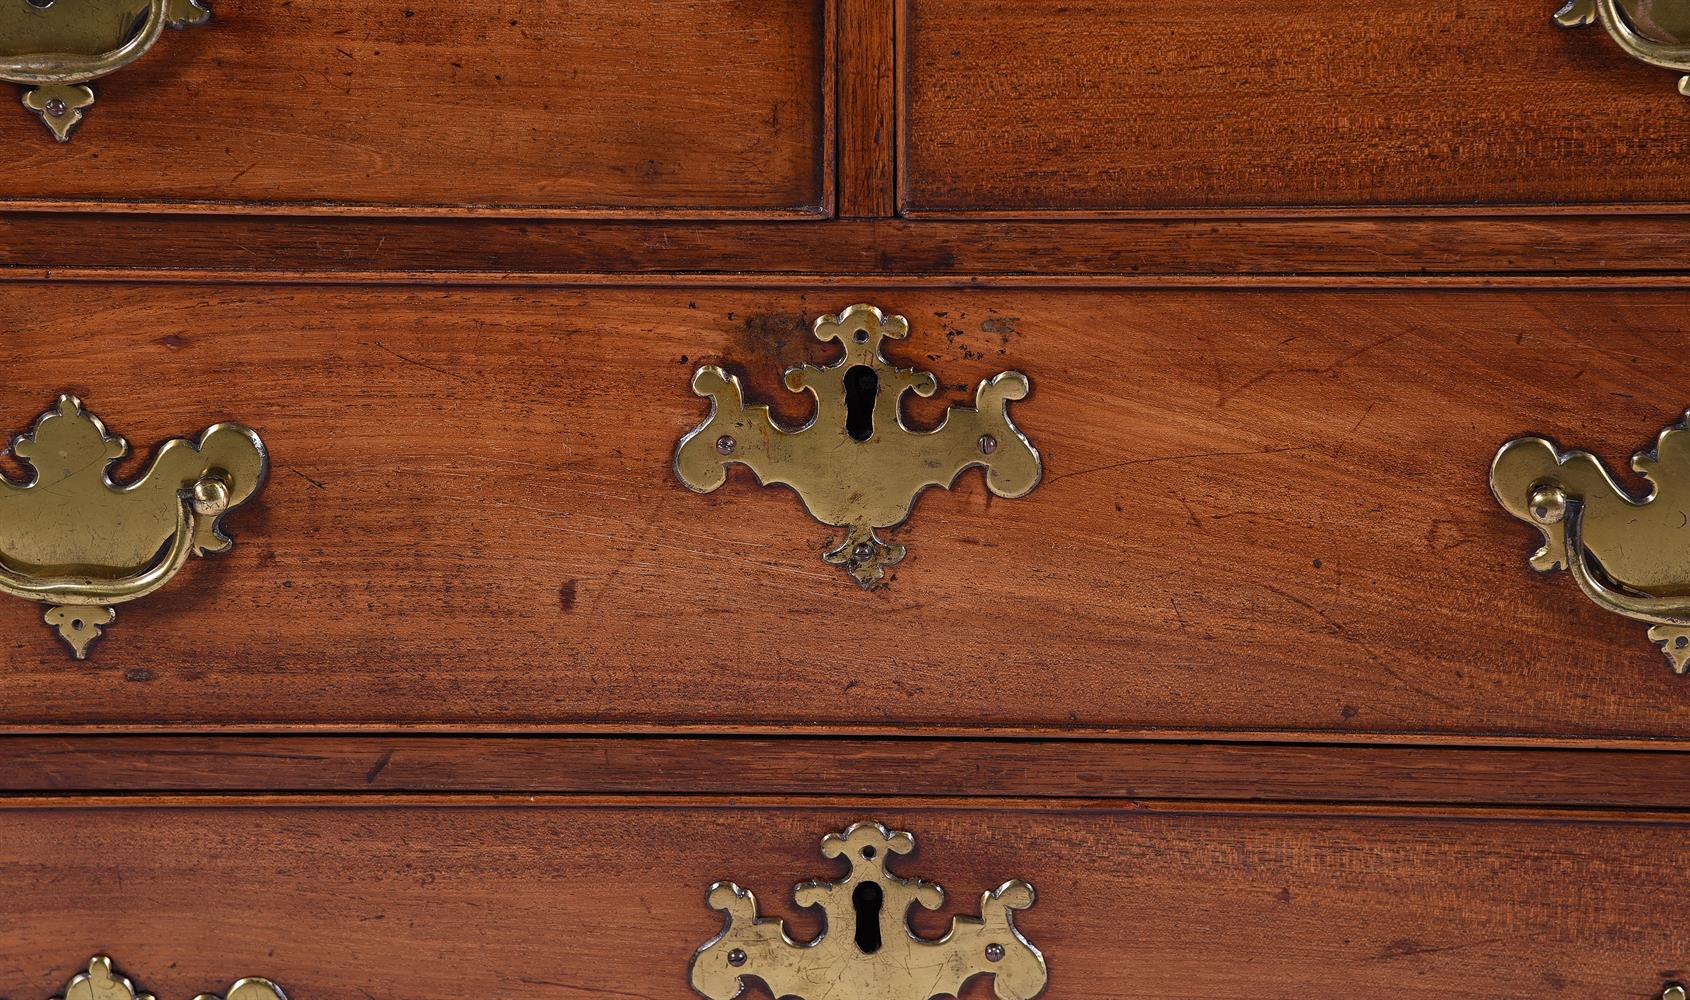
[{"x": 866, "y": 114}]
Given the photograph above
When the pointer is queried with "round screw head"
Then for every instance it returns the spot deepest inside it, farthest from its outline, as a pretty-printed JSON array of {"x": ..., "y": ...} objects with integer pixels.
[
  {"x": 988, "y": 444},
  {"x": 57, "y": 107},
  {"x": 211, "y": 496},
  {"x": 1548, "y": 505},
  {"x": 737, "y": 957},
  {"x": 862, "y": 551},
  {"x": 994, "y": 953},
  {"x": 725, "y": 445}
]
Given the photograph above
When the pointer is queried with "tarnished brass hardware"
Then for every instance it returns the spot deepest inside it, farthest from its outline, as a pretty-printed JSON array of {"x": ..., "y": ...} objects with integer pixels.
[
  {"x": 56, "y": 48},
  {"x": 867, "y": 950},
  {"x": 1667, "y": 45},
  {"x": 74, "y": 540},
  {"x": 1673, "y": 992},
  {"x": 855, "y": 465},
  {"x": 1631, "y": 556},
  {"x": 102, "y": 982}
]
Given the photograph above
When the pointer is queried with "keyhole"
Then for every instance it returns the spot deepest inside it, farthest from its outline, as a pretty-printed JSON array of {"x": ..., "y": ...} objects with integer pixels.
[
  {"x": 861, "y": 386},
  {"x": 867, "y": 899}
]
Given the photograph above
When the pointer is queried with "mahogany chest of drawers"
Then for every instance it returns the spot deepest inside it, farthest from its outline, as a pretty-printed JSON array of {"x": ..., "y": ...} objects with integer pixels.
[{"x": 491, "y": 486}]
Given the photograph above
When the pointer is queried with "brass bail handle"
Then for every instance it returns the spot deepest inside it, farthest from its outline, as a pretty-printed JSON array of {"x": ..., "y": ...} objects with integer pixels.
[
  {"x": 1627, "y": 554},
  {"x": 75, "y": 541},
  {"x": 102, "y": 981},
  {"x": 1622, "y": 25}
]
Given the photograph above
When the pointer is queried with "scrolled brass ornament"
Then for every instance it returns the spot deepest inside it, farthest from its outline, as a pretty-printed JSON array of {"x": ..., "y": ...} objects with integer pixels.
[
  {"x": 56, "y": 48},
  {"x": 1665, "y": 43},
  {"x": 867, "y": 950},
  {"x": 855, "y": 465},
  {"x": 1630, "y": 555},
  {"x": 74, "y": 540},
  {"x": 102, "y": 982}
]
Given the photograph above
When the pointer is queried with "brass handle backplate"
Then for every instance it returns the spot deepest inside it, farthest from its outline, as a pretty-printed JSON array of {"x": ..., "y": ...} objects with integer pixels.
[
  {"x": 102, "y": 982},
  {"x": 1622, "y": 24},
  {"x": 866, "y": 950},
  {"x": 1631, "y": 556},
  {"x": 74, "y": 540},
  {"x": 56, "y": 48},
  {"x": 855, "y": 465}
]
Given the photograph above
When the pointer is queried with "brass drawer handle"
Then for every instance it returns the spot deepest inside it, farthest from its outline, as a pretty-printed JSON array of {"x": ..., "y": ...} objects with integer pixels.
[
  {"x": 1627, "y": 555},
  {"x": 72, "y": 539},
  {"x": 102, "y": 982},
  {"x": 855, "y": 465},
  {"x": 57, "y": 47},
  {"x": 866, "y": 949},
  {"x": 1621, "y": 22}
]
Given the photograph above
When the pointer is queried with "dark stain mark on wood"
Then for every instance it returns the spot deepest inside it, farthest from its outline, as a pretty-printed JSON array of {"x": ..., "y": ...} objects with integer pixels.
[
  {"x": 777, "y": 337},
  {"x": 381, "y": 765}
]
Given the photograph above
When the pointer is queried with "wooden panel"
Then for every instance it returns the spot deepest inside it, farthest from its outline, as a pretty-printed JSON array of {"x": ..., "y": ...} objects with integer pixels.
[
  {"x": 1262, "y": 511},
  {"x": 340, "y": 902},
  {"x": 1104, "y": 105},
  {"x": 595, "y": 107},
  {"x": 1120, "y": 252},
  {"x": 867, "y": 108},
  {"x": 619, "y": 765}
]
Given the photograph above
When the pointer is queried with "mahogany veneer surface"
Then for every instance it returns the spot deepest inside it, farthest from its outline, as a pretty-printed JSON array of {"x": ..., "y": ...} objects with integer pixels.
[
  {"x": 1102, "y": 105},
  {"x": 1543, "y": 250},
  {"x": 344, "y": 902},
  {"x": 483, "y": 699},
  {"x": 589, "y": 107},
  {"x": 1262, "y": 511},
  {"x": 822, "y": 766}
]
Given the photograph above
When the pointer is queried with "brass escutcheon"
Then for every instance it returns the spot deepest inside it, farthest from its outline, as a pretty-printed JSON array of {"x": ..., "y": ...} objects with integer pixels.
[
  {"x": 1631, "y": 556},
  {"x": 74, "y": 540},
  {"x": 1666, "y": 46},
  {"x": 867, "y": 950},
  {"x": 855, "y": 465},
  {"x": 56, "y": 48},
  {"x": 102, "y": 982}
]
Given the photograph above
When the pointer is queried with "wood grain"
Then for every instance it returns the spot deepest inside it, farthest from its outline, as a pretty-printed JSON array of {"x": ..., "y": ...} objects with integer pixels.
[
  {"x": 1262, "y": 511},
  {"x": 812, "y": 768},
  {"x": 342, "y": 902},
  {"x": 1109, "y": 105},
  {"x": 598, "y": 107},
  {"x": 867, "y": 108},
  {"x": 956, "y": 253}
]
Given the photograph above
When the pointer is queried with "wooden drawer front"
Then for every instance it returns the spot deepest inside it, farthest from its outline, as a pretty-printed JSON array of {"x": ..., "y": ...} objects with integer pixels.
[
  {"x": 1261, "y": 511},
  {"x": 600, "y": 107},
  {"x": 337, "y": 902},
  {"x": 1109, "y": 105}
]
